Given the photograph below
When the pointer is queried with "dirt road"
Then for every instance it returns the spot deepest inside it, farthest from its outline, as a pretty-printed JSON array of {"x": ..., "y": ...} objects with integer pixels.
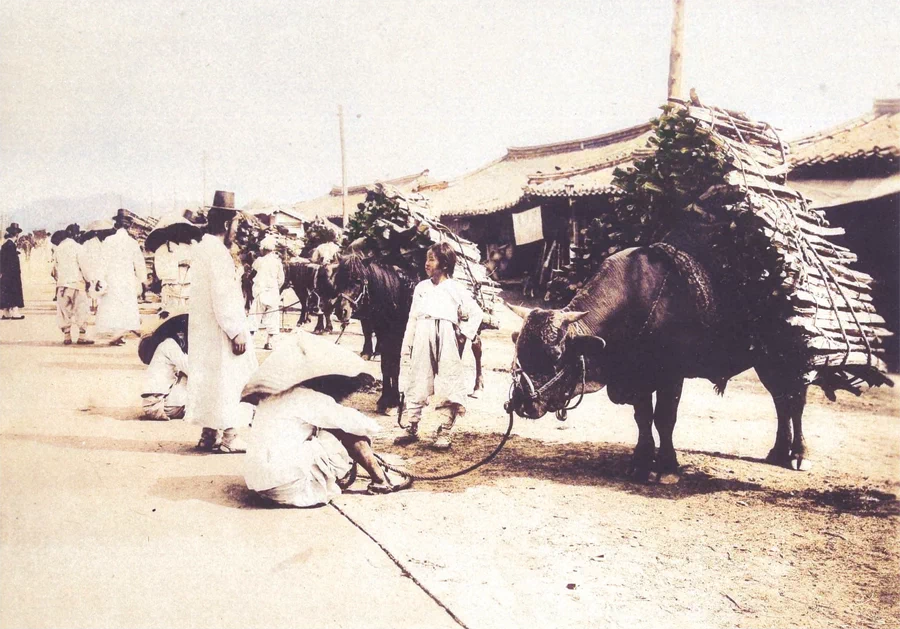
[{"x": 106, "y": 520}]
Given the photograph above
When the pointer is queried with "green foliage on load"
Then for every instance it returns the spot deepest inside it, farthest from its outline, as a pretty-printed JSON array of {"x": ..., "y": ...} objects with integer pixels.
[
  {"x": 656, "y": 192},
  {"x": 383, "y": 227},
  {"x": 318, "y": 233}
]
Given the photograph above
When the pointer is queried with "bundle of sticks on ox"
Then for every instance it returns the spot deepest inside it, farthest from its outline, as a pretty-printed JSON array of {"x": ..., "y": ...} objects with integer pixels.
[
  {"x": 395, "y": 228},
  {"x": 755, "y": 252}
]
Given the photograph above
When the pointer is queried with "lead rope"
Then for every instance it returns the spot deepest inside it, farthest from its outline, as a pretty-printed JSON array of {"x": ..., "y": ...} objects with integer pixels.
[{"x": 352, "y": 474}]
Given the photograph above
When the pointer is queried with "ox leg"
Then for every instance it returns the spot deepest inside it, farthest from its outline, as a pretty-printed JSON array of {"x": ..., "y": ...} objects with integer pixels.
[
  {"x": 790, "y": 401},
  {"x": 645, "y": 450},
  {"x": 664, "y": 416},
  {"x": 477, "y": 350}
]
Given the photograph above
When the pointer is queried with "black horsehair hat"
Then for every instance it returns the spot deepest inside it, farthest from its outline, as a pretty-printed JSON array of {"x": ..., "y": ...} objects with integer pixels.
[
  {"x": 13, "y": 228},
  {"x": 223, "y": 200}
]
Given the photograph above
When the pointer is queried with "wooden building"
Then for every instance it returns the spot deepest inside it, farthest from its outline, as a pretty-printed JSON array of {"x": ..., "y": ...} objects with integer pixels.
[
  {"x": 521, "y": 209},
  {"x": 329, "y": 206}
]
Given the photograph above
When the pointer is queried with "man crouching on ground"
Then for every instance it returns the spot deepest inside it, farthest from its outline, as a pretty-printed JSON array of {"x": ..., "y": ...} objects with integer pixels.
[{"x": 303, "y": 440}]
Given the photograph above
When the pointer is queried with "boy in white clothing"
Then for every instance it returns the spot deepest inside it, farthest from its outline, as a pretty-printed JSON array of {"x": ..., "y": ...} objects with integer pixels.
[{"x": 443, "y": 315}]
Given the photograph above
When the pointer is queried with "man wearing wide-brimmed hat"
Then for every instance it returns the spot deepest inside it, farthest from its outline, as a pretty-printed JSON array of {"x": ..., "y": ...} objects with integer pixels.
[
  {"x": 124, "y": 272},
  {"x": 170, "y": 242},
  {"x": 71, "y": 286},
  {"x": 11, "y": 275},
  {"x": 303, "y": 440},
  {"x": 265, "y": 311},
  {"x": 163, "y": 348},
  {"x": 219, "y": 336}
]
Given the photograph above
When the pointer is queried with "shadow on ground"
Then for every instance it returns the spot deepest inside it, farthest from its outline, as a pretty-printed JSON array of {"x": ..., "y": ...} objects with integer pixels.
[
  {"x": 607, "y": 465},
  {"x": 111, "y": 444},
  {"x": 120, "y": 413},
  {"x": 95, "y": 366},
  {"x": 224, "y": 491},
  {"x": 576, "y": 464}
]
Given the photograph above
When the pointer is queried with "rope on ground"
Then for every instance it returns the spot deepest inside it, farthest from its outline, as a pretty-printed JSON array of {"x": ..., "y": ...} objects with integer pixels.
[
  {"x": 403, "y": 569},
  {"x": 465, "y": 470}
]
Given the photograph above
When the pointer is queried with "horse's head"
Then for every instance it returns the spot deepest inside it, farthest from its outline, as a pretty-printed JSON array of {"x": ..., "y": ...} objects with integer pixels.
[{"x": 350, "y": 281}]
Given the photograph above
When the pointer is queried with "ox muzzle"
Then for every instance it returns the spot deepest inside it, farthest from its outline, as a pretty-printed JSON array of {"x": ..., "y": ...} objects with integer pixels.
[{"x": 529, "y": 401}]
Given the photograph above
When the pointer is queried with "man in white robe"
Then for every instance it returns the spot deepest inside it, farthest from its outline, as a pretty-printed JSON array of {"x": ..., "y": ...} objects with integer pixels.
[
  {"x": 71, "y": 293},
  {"x": 91, "y": 257},
  {"x": 442, "y": 314},
  {"x": 265, "y": 309},
  {"x": 124, "y": 272},
  {"x": 219, "y": 337}
]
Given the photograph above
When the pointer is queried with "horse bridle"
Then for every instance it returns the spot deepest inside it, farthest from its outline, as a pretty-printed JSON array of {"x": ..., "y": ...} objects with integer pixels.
[{"x": 363, "y": 293}]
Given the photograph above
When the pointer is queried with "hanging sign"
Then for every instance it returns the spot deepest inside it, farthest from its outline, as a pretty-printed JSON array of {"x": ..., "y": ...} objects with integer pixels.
[{"x": 527, "y": 226}]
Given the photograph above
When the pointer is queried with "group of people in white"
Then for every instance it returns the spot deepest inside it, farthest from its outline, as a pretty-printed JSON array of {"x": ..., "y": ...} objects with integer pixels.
[{"x": 203, "y": 366}]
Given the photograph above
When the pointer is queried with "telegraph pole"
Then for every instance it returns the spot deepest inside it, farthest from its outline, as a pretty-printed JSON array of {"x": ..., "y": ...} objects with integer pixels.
[
  {"x": 343, "y": 167},
  {"x": 203, "y": 198},
  {"x": 675, "y": 90}
]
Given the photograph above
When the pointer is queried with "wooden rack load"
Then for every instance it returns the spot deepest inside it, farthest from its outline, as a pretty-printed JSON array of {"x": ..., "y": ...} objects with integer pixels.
[
  {"x": 395, "y": 227},
  {"x": 830, "y": 304}
]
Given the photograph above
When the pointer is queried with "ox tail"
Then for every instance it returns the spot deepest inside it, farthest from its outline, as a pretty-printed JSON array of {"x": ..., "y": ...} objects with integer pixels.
[{"x": 719, "y": 385}]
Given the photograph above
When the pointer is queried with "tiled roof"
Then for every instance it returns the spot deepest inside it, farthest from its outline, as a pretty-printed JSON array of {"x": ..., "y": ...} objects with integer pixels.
[
  {"x": 869, "y": 140},
  {"x": 505, "y": 182},
  {"x": 329, "y": 205}
]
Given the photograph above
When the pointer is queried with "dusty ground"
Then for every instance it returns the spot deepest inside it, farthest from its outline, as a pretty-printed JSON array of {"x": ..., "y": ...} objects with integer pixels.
[{"x": 110, "y": 521}]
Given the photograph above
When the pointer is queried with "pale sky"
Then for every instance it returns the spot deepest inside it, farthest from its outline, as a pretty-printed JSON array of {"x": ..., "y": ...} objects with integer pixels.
[{"x": 125, "y": 96}]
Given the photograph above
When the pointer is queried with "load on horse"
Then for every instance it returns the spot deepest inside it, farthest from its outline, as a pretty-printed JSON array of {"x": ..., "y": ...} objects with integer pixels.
[{"x": 732, "y": 271}]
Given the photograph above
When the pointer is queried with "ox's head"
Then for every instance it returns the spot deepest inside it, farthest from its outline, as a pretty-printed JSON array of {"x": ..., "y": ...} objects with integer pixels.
[{"x": 550, "y": 361}]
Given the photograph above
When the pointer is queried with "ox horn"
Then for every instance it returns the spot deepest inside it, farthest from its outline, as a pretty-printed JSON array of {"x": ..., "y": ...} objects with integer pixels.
[
  {"x": 568, "y": 317},
  {"x": 519, "y": 310}
]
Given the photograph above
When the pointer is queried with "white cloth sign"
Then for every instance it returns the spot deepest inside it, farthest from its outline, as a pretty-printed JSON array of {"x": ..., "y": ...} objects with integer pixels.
[{"x": 527, "y": 226}]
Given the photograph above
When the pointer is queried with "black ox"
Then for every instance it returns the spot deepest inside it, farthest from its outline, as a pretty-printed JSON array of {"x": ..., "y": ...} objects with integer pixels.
[{"x": 637, "y": 328}]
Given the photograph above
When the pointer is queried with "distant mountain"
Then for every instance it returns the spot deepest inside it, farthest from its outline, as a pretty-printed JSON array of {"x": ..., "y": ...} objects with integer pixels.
[{"x": 55, "y": 213}]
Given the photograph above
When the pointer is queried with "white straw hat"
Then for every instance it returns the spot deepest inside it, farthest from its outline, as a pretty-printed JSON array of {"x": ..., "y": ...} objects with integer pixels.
[{"x": 297, "y": 358}]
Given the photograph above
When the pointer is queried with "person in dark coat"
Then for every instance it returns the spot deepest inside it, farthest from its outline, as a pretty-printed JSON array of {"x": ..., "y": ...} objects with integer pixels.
[{"x": 11, "y": 275}]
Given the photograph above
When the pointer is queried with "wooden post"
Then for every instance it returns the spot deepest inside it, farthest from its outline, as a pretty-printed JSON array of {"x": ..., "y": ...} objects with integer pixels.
[
  {"x": 343, "y": 168},
  {"x": 203, "y": 198},
  {"x": 675, "y": 53}
]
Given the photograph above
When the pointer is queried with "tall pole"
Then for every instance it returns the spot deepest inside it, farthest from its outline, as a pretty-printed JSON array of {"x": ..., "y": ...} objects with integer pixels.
[
  {"x": 343, "y": 167},
  {"x": 203, "y": 198},
  {"x": 675, "y": 90}
]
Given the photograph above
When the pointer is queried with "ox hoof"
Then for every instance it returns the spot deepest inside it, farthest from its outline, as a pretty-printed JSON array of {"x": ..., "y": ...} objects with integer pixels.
[
  {"x": 641, "y": 475},
  {"x": 668, "y": 478},
  {"x": 799, "y": 464},
  {"x": 781, "y": 459}
]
